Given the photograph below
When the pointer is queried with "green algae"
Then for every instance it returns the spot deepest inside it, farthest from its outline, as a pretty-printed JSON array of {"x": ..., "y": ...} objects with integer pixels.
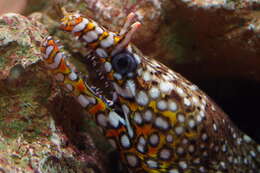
[
  {"x": 2, "y": 22},
  {"x": 12, "y": 129},
  {"x": 178, "y": 42},
  {"x": 3, "y": 62},
  {"x": 23, "y": 50},
  {"x": 21, "y": 109},
  {"x": 36, "y": 6},
  {"x": 82, "y": 6},
  {"x": 64, "y": 165}
]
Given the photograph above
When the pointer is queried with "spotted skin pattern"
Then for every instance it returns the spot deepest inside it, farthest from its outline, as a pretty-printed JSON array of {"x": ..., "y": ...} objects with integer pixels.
[
  {"x": 166, "y": 124},
  {"x": 65, "y": 74}
]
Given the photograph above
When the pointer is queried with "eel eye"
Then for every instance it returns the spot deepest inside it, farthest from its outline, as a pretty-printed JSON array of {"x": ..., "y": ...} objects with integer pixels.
[{"x": 124, "y": 63}]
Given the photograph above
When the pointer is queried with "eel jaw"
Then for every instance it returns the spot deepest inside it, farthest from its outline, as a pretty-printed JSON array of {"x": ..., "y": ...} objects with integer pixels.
[{"x": 96, "y": 79}]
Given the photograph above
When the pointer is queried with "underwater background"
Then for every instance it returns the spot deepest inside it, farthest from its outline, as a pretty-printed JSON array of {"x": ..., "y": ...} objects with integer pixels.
[{"x": 213, "y": 43}]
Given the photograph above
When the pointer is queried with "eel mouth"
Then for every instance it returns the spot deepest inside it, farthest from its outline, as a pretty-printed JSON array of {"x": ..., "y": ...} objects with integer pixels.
[{"x": 96, "y": 79}]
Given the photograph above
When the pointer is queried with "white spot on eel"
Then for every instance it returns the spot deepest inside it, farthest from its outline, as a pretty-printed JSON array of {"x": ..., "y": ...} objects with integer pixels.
[
  {"x": 79, "y": 27},
  {"x": 90, "y": 36}
]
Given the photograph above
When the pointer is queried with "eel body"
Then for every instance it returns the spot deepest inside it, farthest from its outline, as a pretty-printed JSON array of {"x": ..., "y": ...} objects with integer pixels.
[{"x": 158, "y": 121}]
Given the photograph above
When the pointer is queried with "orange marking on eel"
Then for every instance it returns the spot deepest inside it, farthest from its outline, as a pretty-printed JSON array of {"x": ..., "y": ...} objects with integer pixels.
[
  {"x": 78, "y": 34},
  {"x": 100, "y": 106},
  {"x": 110, "y": 76},
  {"x": 80, "y": 86},
  {"x": 115, "y": 132},
  {"x": 63, "y": 68},
  {"x": 90, "y": 26},
  {"x": 94, "y": 44},
  {"x": 102, "y": 60},
  {"x": 103, "y": 36},
  {"x": 78, "y": 20},
  {"x": 133, "y": 106},
  {"x": 43, "y": 49},
  {"x": 153, "y": 151},
  {"x": 55, "y": 50},
  {"x": 117, "y": 39},
  {"x": 68, "y": 27},
  {"x": 144, "y": 130}
]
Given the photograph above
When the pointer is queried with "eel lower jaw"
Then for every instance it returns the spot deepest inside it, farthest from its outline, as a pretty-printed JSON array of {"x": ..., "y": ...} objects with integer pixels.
[{"x": 99, "y": 93}]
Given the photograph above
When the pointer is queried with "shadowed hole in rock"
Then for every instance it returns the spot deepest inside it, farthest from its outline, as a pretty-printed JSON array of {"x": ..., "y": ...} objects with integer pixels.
[{"x": 239, "y": 98}]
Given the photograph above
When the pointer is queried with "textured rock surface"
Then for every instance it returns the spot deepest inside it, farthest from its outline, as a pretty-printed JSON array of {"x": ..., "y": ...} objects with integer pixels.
[
  {"x": 17, "y": 6},
  {"x": 38, "y": 128}
]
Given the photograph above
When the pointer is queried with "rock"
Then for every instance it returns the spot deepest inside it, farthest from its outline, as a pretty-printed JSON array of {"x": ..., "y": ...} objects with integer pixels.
[
  {"x": 19, "y": 42},
  {"x": 33, "y": 135},
  {"x": 17, "y": 6}
]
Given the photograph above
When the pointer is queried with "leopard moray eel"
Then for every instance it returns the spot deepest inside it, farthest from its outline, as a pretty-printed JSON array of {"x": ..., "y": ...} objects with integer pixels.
[{"x": 158, "y": 121}]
